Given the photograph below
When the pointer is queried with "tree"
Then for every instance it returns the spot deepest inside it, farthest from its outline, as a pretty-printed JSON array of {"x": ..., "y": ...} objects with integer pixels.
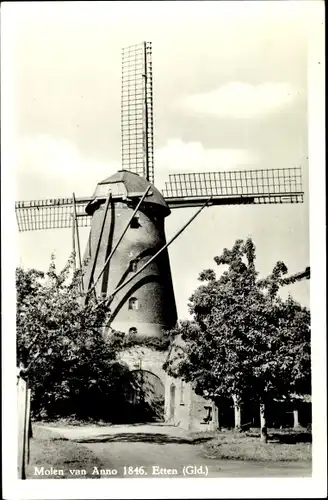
[
  {"x": 244, "y": 341},
  {"x": 72, "y": 367}
]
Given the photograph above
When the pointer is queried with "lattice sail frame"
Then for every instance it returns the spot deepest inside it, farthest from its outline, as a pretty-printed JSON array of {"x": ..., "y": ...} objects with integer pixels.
[
  {"x": 182, "y": 190},
  {"x": 282, "y": 185},
  {"x": 51, "y": 214},
  {"x": 137, "y": 124}
]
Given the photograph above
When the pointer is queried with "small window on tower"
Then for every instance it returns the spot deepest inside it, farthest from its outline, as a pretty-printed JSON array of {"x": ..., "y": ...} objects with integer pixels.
[
  {"x": 133, "y": 304},
  {"x": 134, "y": 224},
  {"x": 134, "y": 265}
]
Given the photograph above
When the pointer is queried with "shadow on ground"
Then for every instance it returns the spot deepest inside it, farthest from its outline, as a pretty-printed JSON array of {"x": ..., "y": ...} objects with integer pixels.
[
  {"x": 157, "y": 438},
  {"x": 293, "y": 438}
]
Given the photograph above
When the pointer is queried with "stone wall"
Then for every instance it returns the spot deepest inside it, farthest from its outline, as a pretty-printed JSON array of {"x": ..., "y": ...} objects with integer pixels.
[
  {"x": 183, "y": 407},
  {"x": 144, "y": 358}
]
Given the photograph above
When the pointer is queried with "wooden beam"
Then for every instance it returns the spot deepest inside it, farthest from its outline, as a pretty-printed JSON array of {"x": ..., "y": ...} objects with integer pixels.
[
  {"x": 94, "y": 262},
  {"x": 73, "y": 243},
  {"x": 119, "y": 240},
  {"x": 77, "y": 236},
  {"x": 109, "y": 299}
]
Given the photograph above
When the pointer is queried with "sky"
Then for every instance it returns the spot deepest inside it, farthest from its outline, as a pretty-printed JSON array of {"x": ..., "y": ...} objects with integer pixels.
[{"x": 230, "y": 92}]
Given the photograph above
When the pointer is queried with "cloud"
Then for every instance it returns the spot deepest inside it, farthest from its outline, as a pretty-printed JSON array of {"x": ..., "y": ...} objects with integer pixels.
[
  {"x": 179, "y": 156},
  {"x": 53, "y": 168},
  {"x": 241, "y": 100},
  {"x": 50, "y": 167}
]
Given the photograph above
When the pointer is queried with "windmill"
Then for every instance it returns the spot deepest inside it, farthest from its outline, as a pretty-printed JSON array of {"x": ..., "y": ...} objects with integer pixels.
[{"x": 127, "y": 252}]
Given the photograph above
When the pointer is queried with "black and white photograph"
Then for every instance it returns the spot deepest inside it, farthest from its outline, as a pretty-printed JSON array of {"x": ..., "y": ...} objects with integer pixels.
[{"x": 161, "y": 248}]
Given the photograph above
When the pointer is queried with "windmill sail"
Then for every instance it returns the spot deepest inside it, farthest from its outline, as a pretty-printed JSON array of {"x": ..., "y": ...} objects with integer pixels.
[
  {"x": 137, "y": 110},
  {"x": 182, "y": 190},
  {"x": 50, "y": 214},
  {"x": 282, "y": 185}
]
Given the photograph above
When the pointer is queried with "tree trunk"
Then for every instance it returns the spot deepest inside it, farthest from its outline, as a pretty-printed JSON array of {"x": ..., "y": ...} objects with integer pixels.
[
  {"x": 263, "y": 423},
  {"x": 236, "y": 403},
  {"x": 218, "y": 418},
  {"x": 296, "y": 422}
]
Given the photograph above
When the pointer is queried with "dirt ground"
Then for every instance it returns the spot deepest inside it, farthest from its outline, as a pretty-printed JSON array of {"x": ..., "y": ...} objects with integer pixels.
[{"x": 159, "y": 451}]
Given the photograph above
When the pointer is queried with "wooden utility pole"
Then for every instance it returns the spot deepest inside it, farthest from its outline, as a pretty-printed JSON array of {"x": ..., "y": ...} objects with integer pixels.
[{"x": 24, "y": 399}]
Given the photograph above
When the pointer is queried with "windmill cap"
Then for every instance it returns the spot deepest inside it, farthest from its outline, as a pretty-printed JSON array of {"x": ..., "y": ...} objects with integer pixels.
[{"x": 128, "y": 185}]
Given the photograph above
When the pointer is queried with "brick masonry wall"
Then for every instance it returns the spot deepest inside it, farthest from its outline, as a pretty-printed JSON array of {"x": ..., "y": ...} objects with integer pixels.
[
  {"x": 182, "y": 407},
  {"x": 198, "y": 412},
  {"x": 188, "y": 411},
  {"x": 144, "y": 358},
  {"x": 177, "y": 406},
  {"x": 152, "y": 288}
]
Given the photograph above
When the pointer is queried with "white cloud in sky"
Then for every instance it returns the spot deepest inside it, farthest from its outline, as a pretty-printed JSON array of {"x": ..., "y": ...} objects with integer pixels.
[
  {"x": 51, "y": 167},
  {"x": 180, "y": 156},
  {"x": 241, "y": 100},
  {"x": 54, "y": 167}
]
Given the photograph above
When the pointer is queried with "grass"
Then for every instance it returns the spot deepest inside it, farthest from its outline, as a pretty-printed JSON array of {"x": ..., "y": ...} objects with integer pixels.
[
  {"x": 73, "y": 422},
  {"x": 47, "y": 450},
  {"x": 287, "y": 445},
  {"x": 282, "y": 446}
]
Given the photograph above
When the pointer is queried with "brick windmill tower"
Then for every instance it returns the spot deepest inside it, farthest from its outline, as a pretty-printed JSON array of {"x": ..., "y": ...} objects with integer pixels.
[{"x": 126, "y": 254}]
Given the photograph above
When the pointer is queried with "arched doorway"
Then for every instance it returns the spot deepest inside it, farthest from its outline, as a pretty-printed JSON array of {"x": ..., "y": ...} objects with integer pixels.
[{"x": 144, "y": 397}]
